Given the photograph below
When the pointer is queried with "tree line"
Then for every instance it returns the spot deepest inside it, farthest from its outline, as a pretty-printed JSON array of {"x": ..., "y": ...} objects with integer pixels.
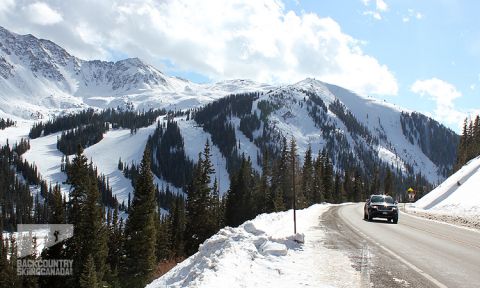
[
  {"x": 469, "y": 144},
  {"x": 118, "y": 118},
  {"x": 169, "y": 161},
  {"x": 428, "y": 133},
  {"x": 4, "y": 123}
]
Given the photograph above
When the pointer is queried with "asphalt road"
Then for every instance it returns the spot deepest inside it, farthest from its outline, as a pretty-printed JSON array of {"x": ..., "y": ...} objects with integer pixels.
[{"x": 413, "y": 253}]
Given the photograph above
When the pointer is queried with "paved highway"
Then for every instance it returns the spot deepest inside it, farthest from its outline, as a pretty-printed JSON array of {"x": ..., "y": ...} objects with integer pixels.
[{"x": 413, "y": 253}]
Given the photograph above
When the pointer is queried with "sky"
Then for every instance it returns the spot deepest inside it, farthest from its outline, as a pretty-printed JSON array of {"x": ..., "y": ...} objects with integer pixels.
[{"x": 421, "y": 55}]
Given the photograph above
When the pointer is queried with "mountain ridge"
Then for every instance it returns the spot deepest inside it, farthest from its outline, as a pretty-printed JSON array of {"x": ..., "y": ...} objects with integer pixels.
[{"x": 41, "y": 79}]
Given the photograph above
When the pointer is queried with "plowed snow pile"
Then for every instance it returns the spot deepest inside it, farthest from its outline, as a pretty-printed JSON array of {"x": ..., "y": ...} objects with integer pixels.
[
  {"x": 456, "y": 200},
  {"x": 459, "y": 194},
  {"x": 265, "y": 253}
]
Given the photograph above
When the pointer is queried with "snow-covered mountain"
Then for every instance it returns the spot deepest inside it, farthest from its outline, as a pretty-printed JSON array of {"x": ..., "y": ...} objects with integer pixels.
[
  {"x": 352, "y": 129},
  {"x": 40, "y": 79}
]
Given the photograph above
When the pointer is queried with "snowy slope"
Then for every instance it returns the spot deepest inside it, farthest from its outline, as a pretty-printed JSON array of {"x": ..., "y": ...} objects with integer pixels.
[
  {"x": 13, "y": 134},
  {"x": 44, "y": 154},
  {"x": 459, "y": 194},
  {"x": 291, "y": 117},
  {"x": 121, "y": 144},
  {"x": 194, "y": 140},
  {"x": 263, "y": 253},
  {"x": 116, "y": 144}
]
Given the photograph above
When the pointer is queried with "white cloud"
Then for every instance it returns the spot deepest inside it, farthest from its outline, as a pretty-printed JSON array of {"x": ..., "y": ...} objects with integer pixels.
[
  {"x": 444, "y": 94},
  {"x": 381, "y": 5},
  {"x": 255, "y": 39},
  {"x": 6, "y": 5},
  {"x": 412, "y": 14},
  {"x": 473, "y": 86},
  {"x": 374, "y": 14},
  {"x": 40, "y": 13}
]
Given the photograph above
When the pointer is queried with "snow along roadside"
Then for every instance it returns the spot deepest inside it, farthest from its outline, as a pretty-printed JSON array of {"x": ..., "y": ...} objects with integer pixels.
[
  {"x": 470, "y": 221},
  {"x": 262, "y": 253}
]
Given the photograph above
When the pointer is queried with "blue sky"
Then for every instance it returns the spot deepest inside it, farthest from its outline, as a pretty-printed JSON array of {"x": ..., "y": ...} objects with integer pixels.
[
  {"x": 422, "y": 55},
  {"x": 417, "y": 40}
]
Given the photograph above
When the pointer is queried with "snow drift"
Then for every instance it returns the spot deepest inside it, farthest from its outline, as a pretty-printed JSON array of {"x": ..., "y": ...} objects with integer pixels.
[
  {"x": 264, "y": 253},
  {"x": 458, "y": 194}
]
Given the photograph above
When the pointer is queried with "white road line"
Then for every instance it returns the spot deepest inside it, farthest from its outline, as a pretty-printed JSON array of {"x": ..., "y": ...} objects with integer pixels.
[{"x": 365, "y": 265}]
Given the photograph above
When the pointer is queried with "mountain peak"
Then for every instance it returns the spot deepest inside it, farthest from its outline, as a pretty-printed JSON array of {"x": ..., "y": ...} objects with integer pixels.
[
  {"x": 135, "y": 61},
  {"x": 310, "y": 81},
  {"x": 311, "y": 84},
  {"x": 38, "y": 74}
]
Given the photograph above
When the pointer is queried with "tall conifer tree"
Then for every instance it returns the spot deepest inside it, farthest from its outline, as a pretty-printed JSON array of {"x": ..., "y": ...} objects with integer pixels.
[
  {"x": 140, "y": 234},
  {"x": 200, "y": 224}
]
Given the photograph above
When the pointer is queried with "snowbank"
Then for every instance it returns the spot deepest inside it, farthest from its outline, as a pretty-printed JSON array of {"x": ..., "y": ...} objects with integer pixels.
[
  {"x": 265, "y": 253},
  {"x": 458, "y": 195}
]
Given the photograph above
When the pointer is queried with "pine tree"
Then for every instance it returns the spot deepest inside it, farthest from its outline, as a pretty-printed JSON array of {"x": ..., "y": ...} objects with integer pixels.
[
  {"x": 120, "y": 164},
  {"x": 307, "y": 177},
  {"x": 285, "y": 173},
  {"x": 85, "y": 215},
  {"x": 57, "y": 209},
  {"x": 278, "y": 201},
  {"x": 92, "y": 230},
  {"x": 264, "y": 199},
  {"x": 200, "y": 223},
  {"x": 177, "y": 228},
  {"x": 239, "y": 198},
  {"x": 281, "y": 180},
  {"x": 470, "y": 144},
  {"x": 57, "y": 216},
  {"x": 115, "y": 248},
  {"x": 8, "y": 259},
  {"x": 140, "y": 234},
  {"x": 300, "y": 198},
  {"x": 88, "y": 278},
  {"x": 375, "y": 182},
  {"x": 476, "y": 136},
  {"x": 388, "y": 182},
  {"x": 327, "y": 178},
  {"x": 348, "y": 186},
  {"x": 318, "y": 187},
  {"x": 195, "y": 210},
  {"x": 216, "y": 206},
  {"x": 7, "y": 274},
  {"x": 30, "y": 280},
  {"x": 462, "y": 147},
  {"x": 338, "y": 190},
  {"x": 162, "y": 248},
  {"x": 77, "y": 174},
  {"x": 357, "y": 187}
]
